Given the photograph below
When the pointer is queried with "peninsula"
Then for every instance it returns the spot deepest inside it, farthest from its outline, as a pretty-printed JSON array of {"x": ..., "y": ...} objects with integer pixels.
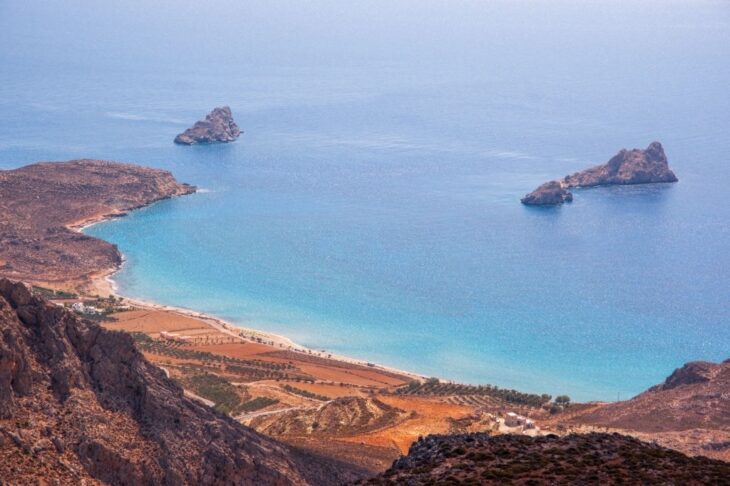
[
  {"x": 218, "y": 127},
  {"x": 635, "y": 166},
  {"x": 42, "y": 204}
]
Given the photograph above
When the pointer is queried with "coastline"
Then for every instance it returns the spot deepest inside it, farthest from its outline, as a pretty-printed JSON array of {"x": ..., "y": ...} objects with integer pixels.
[{"x": 102, "y": 283}]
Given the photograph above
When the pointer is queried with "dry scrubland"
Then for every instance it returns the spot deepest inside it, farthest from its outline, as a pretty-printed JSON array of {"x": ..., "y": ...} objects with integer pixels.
[{"x": 355, "y": 412}]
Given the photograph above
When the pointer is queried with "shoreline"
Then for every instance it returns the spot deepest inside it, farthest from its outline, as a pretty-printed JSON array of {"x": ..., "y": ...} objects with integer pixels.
[
  {"x": 248, "y": 333},
  {"x": 104, "y": 284}
]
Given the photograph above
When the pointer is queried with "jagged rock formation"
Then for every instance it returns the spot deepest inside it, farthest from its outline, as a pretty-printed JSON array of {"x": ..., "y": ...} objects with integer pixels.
[
  {"x": 635, "y": 166},
  {"x": 548, "y": 194},
  {"x": 218, "y": 126},
  {"x": 573, "y": 459},
  {"x": 627, "y": 167},
  {"x": 40, "y": 202},
  {"x": 340, "y": 417},
  {"x": 78, "y": 402}
]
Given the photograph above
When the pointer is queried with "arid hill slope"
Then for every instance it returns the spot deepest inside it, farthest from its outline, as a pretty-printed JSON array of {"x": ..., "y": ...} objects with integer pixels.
[
  {"x": 39, "y": 202},
  {"x": 689, "y": 412},
  {"x": 80, "y": 402},
  {"x": 572, "y": 459},
  {"x": 696, "y": 395},
  {"x": 339, "y": 417}
]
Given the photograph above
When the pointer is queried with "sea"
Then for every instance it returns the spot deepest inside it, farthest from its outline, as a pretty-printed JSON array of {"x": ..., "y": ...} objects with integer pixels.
[{"x": 372, "y": 206}]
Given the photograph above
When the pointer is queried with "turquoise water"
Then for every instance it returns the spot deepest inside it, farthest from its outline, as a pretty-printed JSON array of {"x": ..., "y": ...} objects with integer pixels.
[{"x": 371, "y": 207}]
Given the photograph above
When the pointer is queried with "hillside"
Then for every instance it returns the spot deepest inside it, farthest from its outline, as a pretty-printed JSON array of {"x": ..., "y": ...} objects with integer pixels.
[
  {"x": 573, "y": 459},
  {"x": 696, "y": 395},
  {"x": 78, "y": 402},
  {"x": 690, "y": 411},
  {"x": 339, "y": 417}
]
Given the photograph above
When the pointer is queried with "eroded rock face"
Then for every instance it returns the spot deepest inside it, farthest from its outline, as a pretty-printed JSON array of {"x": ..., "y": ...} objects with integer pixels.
[
  {"x": 635, "y": 166},
  {"x": 218, "y": 126},
  {"x": 548, "y": 194},
  {"x": 78, "y": 402}
]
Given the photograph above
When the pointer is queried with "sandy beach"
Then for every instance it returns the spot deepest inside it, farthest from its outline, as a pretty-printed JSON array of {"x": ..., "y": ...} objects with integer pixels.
[{"x": 102, "y": 284}]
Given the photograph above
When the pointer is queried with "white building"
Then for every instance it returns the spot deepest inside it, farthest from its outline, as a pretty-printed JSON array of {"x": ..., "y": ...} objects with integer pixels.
[
  {"x": 512, "y": 420},
  {"x": 85, "y": 309}
]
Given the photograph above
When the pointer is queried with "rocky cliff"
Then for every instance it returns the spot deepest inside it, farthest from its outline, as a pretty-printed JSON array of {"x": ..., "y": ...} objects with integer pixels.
[
  {"x": 573, "y": 459},
  {"x": 78, "y": 402},
  {"x": 40, "y": 202},
  {"x": 218, "y": 126},
  {"x": 635, "y": 166}
]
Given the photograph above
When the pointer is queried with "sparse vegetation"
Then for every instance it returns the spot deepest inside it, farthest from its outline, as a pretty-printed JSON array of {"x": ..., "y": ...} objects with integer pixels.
[
  {"x": 560, "y": 404},
  {"x": 248, "y": 369},
  {"x": 214, "y": 388},
  {"x": 53, "y": 294},
  {"x": 304, "y": 393},
  {"x": 257, "y": 404},
  {"x": 433, "y": 387}
]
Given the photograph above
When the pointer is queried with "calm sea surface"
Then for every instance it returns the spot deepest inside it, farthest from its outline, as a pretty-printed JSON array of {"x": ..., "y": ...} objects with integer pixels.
[{"x": 372, "y": 206}]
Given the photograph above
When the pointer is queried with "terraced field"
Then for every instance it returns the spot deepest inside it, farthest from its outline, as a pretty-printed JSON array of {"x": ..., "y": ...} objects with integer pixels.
[
  {"x": 243, "y": 369},
  {"x": 485, "y": 395}
]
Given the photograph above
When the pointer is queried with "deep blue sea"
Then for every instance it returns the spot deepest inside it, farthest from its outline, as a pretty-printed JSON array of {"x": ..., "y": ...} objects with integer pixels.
[{"x": 371, "y": 207}]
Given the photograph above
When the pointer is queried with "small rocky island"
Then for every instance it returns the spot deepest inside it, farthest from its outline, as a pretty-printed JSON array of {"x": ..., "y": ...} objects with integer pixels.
[
  {"x": 635, "y": 166},
  {"x": 218, "y": 127}
]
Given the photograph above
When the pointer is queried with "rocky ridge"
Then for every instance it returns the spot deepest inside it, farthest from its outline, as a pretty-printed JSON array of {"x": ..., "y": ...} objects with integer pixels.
[
  {"x": 41, "y": 203},
  {"x": 78, "y": 402},
  {"x": 635, "y": 166},
  {"x": 573, "y": 459},
  {"x": 217, "y": 127},
  {"x": 697, "y": 395}
]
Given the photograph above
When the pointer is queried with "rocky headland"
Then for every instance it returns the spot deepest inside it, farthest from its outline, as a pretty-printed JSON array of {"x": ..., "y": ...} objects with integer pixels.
[
  {"x": 218, "y": 127},
  {"x": 42, "y": 204},
  {"x": 637, "y": 166},
  {"x": 80, "y": 403}
]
